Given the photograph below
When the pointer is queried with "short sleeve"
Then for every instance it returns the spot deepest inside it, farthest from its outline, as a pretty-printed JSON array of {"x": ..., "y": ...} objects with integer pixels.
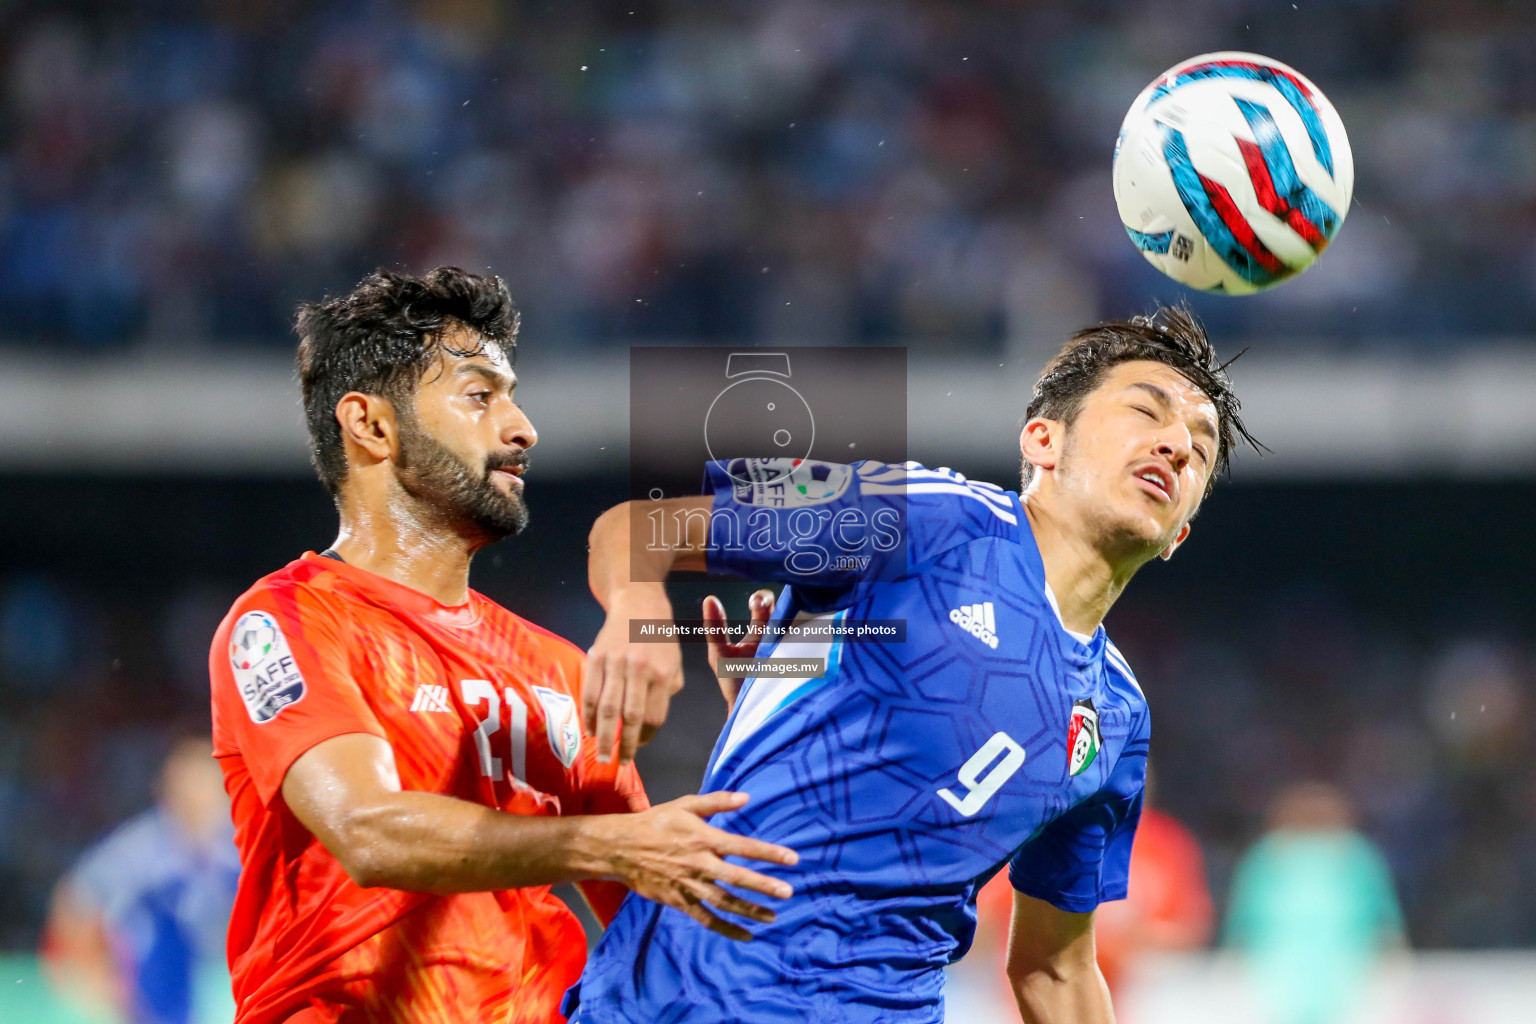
[
  {"x": 1083, "y": 858},
  {"x": 830, "y": 524},
  {"x": 280, "y": 669},
  {"x": 610, "y": 789},
  {"x": 606, "y": 789}
]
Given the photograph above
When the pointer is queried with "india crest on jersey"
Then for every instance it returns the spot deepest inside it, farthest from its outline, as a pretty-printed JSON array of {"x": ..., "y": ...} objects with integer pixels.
[
  {"x": 1083, "y": 737},
  {"x": 560, "y": 723}
]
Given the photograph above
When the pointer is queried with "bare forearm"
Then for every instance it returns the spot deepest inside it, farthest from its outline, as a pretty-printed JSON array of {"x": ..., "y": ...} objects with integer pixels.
[
  {"x": 346, "y": 791},
  {"x": 423, "y": 842},
  {"x": 610, "y": 565},
  {"x": 1053, "y": 966},
  {"x": 1052, "y": 997},
  {"x": 640, "y": 543}
]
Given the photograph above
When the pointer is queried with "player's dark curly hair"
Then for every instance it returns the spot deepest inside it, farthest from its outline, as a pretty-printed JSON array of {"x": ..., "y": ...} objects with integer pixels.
[
  {"x": 380, "y": 338},
  {"x": 1172, "y": 335}
]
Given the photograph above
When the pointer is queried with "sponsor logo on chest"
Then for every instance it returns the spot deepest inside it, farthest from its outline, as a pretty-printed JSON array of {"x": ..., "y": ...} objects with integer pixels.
[
  {"x": 431, "y": 697},
  {"x": 979, "y": 620}
]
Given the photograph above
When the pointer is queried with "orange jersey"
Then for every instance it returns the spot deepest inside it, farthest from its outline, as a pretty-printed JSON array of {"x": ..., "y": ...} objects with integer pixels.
[
  {"x": 477, "y": 704},
  {"x": 1170, "y": 902},
  {"x": 1168, "y": 907}
]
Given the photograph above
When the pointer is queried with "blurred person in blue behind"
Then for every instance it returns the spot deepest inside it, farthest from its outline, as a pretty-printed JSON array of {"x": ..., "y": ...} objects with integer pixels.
[
  {"x": 136, "y": 929},
  {"x": 1312, "y": 906}
]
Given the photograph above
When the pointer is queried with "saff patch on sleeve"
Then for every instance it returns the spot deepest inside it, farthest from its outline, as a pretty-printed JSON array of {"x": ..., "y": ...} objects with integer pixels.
[
  {"x": 265, "y": 672},
  {"x": 787, "y": 483}
]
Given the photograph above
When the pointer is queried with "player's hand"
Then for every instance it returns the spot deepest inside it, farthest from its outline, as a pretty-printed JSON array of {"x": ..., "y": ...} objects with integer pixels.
[
  {"x": 626, "y": 687},
  {"x": 761, "y": 606},
  {"x": 668, "y": 855}
]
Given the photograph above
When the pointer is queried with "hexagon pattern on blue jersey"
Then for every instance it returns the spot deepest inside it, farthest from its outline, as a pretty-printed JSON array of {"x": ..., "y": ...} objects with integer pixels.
[{"x": 851, "y": 774}]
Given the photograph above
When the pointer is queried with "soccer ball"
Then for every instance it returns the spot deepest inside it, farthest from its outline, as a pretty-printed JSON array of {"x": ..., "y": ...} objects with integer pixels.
[{"x": 1232, "y": 172}]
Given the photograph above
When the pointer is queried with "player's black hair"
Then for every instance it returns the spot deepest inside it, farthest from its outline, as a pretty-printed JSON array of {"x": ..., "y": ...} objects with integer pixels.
[
  {"x": 1173, "y": 336},
  {"x": 379, "y": 339}
]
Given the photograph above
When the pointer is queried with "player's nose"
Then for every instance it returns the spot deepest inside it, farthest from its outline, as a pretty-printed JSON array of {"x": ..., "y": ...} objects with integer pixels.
[
  {"x": 519, "y": 430},
  {"x": 1177, "y": 450}
]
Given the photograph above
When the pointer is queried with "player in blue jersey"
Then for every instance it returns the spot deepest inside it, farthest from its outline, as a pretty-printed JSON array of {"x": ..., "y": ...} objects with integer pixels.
[{"x": 1003, "y": 728}]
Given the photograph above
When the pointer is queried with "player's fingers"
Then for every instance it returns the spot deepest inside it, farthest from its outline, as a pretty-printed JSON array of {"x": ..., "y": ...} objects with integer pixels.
[
  {"x": 715, "y": 627},
  {"x": 591, "y": 691},
  {"x": 701, "y": 914},
  {"x": 610, "y": 706},
  {"x": 636, "y": 684},
  {"x": 744, "y": 878},
  {"x": 761, "y": 605},
  {"x": 728, "y": 844},
  {"x": 706, "y": 804},
  {"x": 720, "y": 899},
  {"x": 657, "y": 701}
]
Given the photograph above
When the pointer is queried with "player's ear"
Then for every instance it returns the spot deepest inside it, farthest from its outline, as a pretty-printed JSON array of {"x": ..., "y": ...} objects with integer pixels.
[
  {"x": 1173, "y": 545},
  {"x": 1040, "y": 442},
  {"x": 367, "y": 422}
]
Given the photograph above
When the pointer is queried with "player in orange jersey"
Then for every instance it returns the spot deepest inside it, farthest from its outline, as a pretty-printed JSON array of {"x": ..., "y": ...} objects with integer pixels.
[{"x": 405, "y": 757}]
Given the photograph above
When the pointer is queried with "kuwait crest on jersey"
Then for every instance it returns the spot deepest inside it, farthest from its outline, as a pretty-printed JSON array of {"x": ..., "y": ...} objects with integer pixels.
[
  {"x": 1083, "y": 738},
  {"x": 560, "y": 723}
]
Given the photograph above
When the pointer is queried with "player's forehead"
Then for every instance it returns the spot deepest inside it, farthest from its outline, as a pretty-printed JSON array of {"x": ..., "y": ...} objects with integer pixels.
[
  {"x": 1161, "y": 383},
  {"x": 464, "y": 354}
]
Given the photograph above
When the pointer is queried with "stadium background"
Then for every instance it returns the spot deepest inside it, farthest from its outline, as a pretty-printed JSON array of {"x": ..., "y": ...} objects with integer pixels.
[{"x": 176, "y": 176}]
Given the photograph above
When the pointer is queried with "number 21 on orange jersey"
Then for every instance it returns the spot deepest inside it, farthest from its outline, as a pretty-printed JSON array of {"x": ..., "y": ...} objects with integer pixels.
[{"x": 483, "y": 691}]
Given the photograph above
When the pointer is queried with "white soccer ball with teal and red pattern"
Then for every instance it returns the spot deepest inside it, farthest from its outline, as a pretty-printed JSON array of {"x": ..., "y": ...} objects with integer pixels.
[{"x": 1232, "y": 172}]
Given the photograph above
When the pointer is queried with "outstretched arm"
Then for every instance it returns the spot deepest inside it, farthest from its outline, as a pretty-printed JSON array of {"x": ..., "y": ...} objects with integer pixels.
[
  {"x": 626, "y": 687},
  {"x": 347, "y": 792},
  {"x": 1052, "y": 966}
]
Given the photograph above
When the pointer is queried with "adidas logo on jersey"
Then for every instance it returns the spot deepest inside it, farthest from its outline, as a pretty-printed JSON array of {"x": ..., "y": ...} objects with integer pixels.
[
  {"x": 431, "y": 697},
  {"x": 977, "y": 620}
]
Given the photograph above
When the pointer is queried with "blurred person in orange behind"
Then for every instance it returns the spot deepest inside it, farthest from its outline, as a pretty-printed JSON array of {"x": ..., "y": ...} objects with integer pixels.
[
  {"x": 404, "y": 757},
  {"x": 1168, "y": 906}
]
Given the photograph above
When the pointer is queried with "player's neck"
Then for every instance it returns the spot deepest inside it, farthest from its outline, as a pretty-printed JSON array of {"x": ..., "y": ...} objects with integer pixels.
[
  {"x": 409, "y": 549},
  {"x": 1084, "y": 581}
]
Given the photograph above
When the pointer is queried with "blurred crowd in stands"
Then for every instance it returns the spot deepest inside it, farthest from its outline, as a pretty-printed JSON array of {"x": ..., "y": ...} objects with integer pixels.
[
  {"x": 177, "y": 172},
  {"x": 181, "y": 173}
]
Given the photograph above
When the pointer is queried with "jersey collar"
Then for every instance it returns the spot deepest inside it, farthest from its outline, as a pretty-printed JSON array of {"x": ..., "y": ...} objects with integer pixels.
[
  {"x": 398, "y": 595},
  {"x": 1079, "y": 652}
]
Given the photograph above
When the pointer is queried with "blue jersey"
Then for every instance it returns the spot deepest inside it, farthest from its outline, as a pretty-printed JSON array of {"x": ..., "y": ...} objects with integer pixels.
[
  {"x": 910, "y": 772},
  {"x": 165, "y": 900}
]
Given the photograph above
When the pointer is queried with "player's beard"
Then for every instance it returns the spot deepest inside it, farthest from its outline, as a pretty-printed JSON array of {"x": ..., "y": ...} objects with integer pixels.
[
  {"x": 1110, "y": 528},
  {"x": 467, "y": 500}
]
